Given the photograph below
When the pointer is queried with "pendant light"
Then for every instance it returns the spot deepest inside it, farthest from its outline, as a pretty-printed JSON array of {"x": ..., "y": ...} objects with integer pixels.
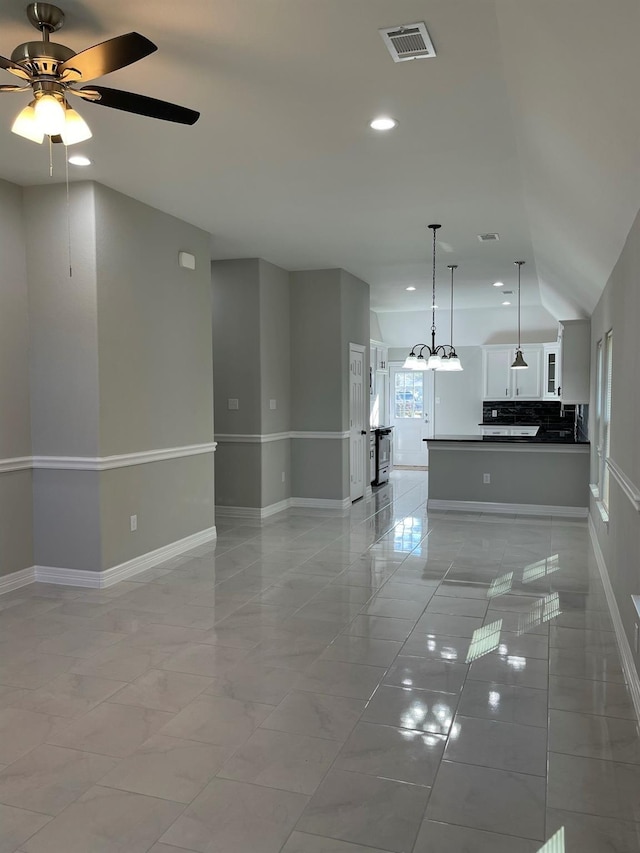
[
  {"x": 451, "y": 362},
  {"x": 519, "y": 363}
]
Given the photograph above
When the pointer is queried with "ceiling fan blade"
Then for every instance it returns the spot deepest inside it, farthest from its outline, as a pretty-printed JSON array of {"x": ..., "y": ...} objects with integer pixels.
[
  {"x": 144, "y": 106},
  {"x": 108, "y": 56},
  {"x": 13, "y": 88},
  {"x": 14, "y": 68}
]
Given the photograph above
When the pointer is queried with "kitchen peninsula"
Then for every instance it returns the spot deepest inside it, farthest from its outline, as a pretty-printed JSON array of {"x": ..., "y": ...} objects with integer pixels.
[{"x": 532, "y": 475}]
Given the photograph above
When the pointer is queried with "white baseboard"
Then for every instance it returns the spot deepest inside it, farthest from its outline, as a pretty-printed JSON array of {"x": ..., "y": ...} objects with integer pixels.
[
  {"x": 109, "y": 577},
  {"x": 628, "y": 664},
  {"x": 518, "y": 509},
  {"x": 17, "y": 579},
  {"x": 267, "y": 511}
]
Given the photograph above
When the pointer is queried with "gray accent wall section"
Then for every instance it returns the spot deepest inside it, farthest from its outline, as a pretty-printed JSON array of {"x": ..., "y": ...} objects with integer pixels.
[
  {"x": 239, "y": 474},
  {"x": 275, "y": 463},
  {"x": 65, "y": 405},
  {"x": 154, "y": 331},
  {"x": 236, "y": 344},
  {"x": 460, "y": 408},
  {"x": 173, "y": 499},
  {"x": 354, "y": 327},
  {"x": 66, "y": 519},
  {"x": 619, "y": 310},
  {"x": 318, "y": 468},
  {"x": 16, "y": 522},
  {"x": 16, "y": 551},
  {"x": 275, "y": 348},
  {"x": 527, "y": 477},
  {"x": 317, "y": 356}
]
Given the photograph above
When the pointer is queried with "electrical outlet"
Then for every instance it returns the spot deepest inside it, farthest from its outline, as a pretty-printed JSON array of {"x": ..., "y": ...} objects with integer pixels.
[
  {"x": 272, "y": 404},
  {"x": 486, "y": 478},
  {"x": 283, "y": 478},
  {"x": 494, "y": 413},
  {"x": 133, "y": 521},
  {"x": 233, "y": 404}
]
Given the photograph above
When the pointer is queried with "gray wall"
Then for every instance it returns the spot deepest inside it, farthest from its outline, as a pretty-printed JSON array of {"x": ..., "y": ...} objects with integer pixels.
[
  {"x": 236, "y": 344},
  {"x": 316, "y": 360},
  {"x": 527, "y": 477},
  {"x": 275, "y": 348},
  {"x": 619, "y": 309},
  {"x": 15, "y": 430},
  {"x": 121, "y": 363}
]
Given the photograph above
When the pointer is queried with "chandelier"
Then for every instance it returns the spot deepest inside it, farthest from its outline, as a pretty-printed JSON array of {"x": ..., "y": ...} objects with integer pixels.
[{"x": 444, "y": 356}]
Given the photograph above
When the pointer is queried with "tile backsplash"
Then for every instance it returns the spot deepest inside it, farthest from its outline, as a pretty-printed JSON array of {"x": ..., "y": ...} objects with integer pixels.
[{"x": 551, "y": 415}]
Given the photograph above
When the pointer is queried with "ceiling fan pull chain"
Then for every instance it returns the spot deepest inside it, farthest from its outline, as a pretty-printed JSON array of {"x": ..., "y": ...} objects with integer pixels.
[
  {"x": 66, "y": 161},
  {"x": 50, "y": 158}
]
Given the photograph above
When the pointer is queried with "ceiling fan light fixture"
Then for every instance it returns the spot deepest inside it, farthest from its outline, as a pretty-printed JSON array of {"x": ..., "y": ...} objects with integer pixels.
[
  {"x": 75, "y": 128},
  {"x": 50, "y": 115},
  {"x": 26, "y": 125}
]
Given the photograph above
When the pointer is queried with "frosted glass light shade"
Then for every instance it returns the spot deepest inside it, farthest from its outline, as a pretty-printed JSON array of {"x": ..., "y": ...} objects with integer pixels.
[
  {"x": 50, "y": 115},
  {"x": 410, "y": 362},
  {"x": 421, "y": 363},
  {"x": 75, "y": 128},
  {"x": 25, "y": 125},
  {"x": 454, "y": 364},
  {"x": 434, "y": 363}
]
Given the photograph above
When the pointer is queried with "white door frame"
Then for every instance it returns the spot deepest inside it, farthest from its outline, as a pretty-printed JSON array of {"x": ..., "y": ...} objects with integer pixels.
[
  {"x": 429, "y": 399},
  {"x": 359, "y": 443}
]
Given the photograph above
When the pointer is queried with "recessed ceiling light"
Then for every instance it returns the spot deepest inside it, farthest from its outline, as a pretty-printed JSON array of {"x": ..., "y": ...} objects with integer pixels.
[
  {"x": 383, "y": 123},
  {"x": 79, "y": 160},
  {"x": 409, "y": 288},
  {"x": 506, "y": 303},
  {"x": 498, "y": 283}
]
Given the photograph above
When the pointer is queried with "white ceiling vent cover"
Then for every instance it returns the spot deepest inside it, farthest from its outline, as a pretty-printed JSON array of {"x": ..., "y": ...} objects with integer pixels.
[
  {"x": 408, "y": 41},
  {"x": 488, "y": 238}
]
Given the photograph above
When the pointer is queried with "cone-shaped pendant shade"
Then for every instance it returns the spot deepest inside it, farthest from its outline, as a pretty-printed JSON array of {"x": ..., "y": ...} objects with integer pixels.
[{"x": 519, "y": 362}]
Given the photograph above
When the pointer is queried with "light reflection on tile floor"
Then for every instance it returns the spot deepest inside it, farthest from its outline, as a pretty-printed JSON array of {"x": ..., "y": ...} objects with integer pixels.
[{"x": 385, "y": 681}]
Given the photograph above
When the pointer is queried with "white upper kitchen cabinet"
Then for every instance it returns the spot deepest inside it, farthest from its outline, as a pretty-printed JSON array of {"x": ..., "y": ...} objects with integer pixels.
[
  {"x": 527, "y": 383},
  {"x": 497, "y": 373},
  {"x": 575, "y": 337},
  {"x": 500, "y": 382}
]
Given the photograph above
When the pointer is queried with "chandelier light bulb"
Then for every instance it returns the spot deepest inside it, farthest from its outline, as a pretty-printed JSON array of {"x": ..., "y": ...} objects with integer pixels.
[
  {"x": 50, "y": 115},
  {"x": 26, "y": 125}
]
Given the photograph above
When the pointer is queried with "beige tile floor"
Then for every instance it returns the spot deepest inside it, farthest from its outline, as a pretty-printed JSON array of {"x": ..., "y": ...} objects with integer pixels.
[{"x": 384, "y": 681}]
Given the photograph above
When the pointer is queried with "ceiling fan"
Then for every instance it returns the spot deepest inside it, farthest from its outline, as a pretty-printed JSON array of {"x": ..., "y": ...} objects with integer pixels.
[{"x": 51, "y": 71}]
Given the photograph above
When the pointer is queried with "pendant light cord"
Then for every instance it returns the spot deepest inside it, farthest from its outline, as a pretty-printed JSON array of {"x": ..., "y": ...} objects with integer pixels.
[{"x": 519, "y": 265}]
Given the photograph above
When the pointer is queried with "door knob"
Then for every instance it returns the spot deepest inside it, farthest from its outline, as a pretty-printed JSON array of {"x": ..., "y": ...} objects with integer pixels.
[{"x": 363, "y": 432}]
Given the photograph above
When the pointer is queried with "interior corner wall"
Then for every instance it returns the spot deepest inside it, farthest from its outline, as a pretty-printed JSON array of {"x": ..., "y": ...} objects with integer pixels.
[
  {"x": 619, "y": 310},
  {"x": 16, "y": 517},
  {"x": 155, "y": 375}
]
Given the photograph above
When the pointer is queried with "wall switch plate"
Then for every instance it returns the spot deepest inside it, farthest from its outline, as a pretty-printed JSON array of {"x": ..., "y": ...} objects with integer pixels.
[
  {"x": 494, "y": 413},
  {"x": 272, "y": 404},
  {"x": 486, "y": 478},
  {"x": 133, "y": 521},
  {"x": 233, "y": 404},
  {"x": 437, "y": 400}
]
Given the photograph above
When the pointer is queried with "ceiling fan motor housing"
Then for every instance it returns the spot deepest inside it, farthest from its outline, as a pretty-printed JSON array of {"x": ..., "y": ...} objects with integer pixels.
[{"x": 41, "y": 58}]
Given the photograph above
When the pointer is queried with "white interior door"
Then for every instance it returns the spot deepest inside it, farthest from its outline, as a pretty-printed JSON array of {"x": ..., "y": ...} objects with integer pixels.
[
  {"x": 358, "y": 428},
  {"x": 410, "y": 399}
]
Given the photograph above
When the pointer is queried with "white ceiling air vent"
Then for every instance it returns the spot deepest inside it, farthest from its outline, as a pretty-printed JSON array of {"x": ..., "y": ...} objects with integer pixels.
[
  {"x": 488, "y": 238},
  {"x": 408, "y": 41}
]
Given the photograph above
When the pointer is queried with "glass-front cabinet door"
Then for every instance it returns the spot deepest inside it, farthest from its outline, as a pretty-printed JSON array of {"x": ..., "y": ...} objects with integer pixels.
[{"x": 551, "y": 389}]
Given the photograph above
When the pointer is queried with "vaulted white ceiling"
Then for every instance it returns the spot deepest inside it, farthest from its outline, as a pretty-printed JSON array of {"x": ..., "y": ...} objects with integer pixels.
[{"x": 527, "y": 123}]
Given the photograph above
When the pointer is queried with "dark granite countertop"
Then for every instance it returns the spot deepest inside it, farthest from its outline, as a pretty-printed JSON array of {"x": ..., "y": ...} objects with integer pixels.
[
  {"x": 507, "y": 439},
  {"x": 508, "y": 424}
]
